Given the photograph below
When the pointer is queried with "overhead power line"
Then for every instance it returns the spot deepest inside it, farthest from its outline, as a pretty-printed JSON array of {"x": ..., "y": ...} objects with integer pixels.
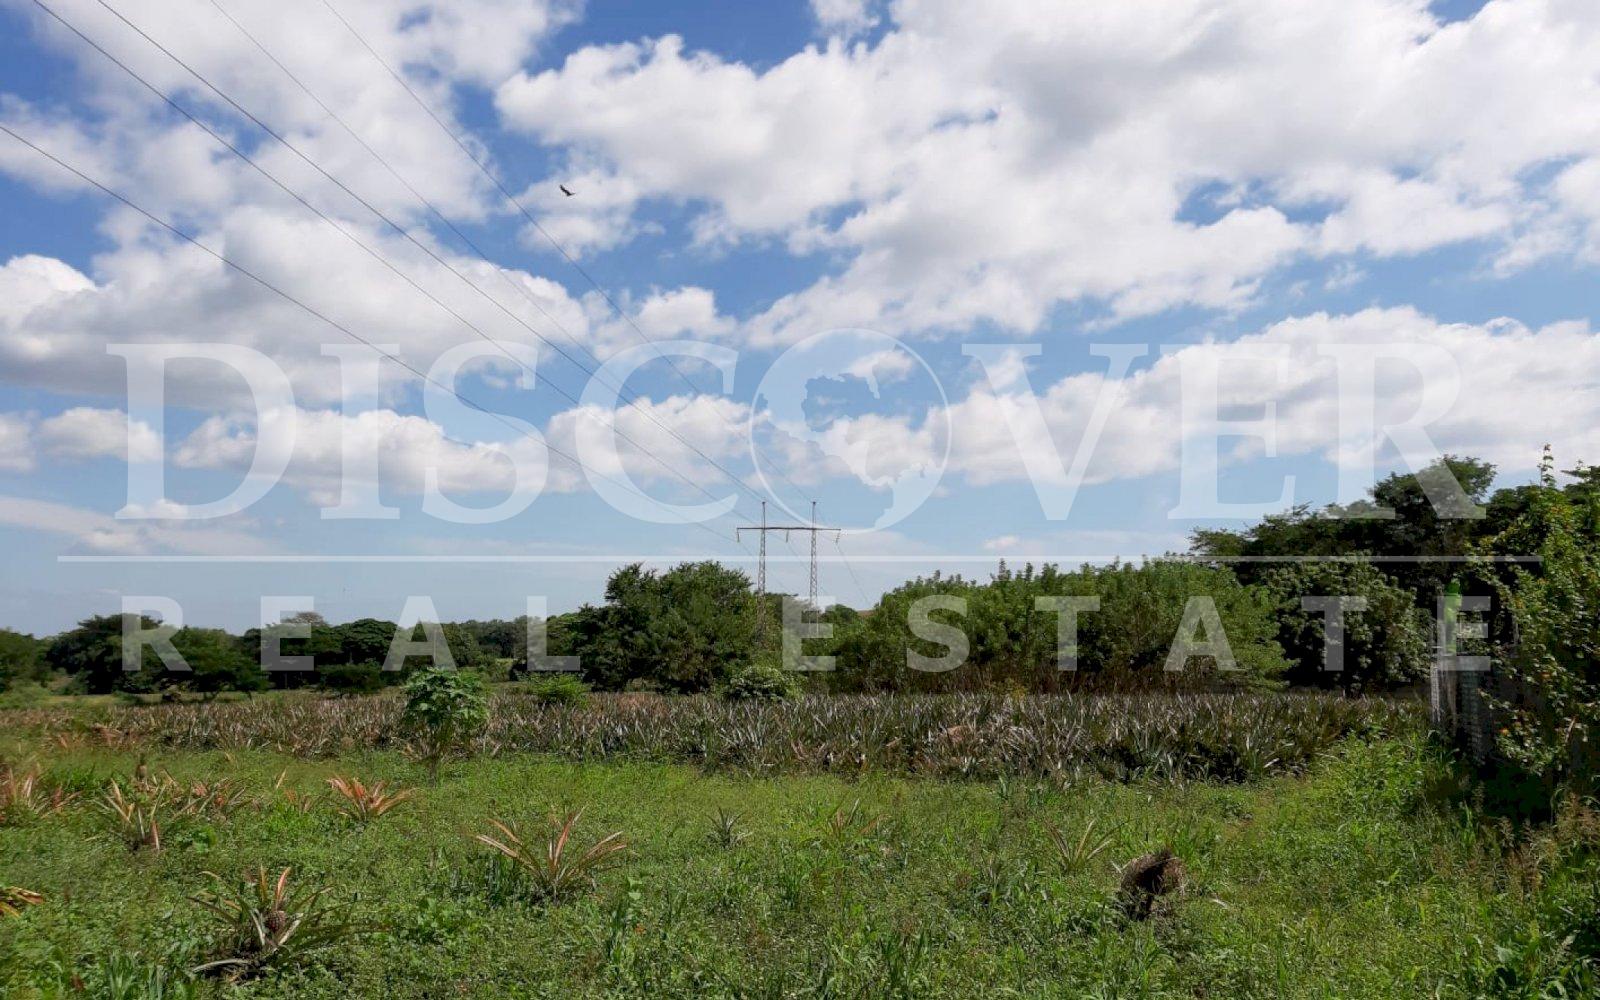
[
  {"x": 401, "y": 179},
  {"x": 764, "y": 529},
  {"x": 403, "y": 232},
  {"x": 269, "y": 286},
  {"x": 865, "y": 600},
  {"x": 495, "y": 180},
  {"x": 342, "y": 230},
  {"x": 444, "y": 220},
  {"x": 516, "y": 202}
]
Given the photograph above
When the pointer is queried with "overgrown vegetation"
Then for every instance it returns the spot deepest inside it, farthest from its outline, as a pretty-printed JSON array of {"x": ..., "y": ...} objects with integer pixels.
[
  {"x": 1113, "y": 828},
  {"x": 1385, "y": 643},
  {"x": 1550, "y": 653},
  {"x": 1368, "y": 876},
  {"x": 1014, "y": 644},
  {"x": 692, "y": 628},
  {"x": 1225, "y": 736},
  {"x": 763, "y": 680}
]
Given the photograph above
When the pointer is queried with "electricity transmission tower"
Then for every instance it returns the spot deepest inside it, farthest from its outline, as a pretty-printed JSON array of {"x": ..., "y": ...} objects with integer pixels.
[{"x": 761, "y": 560}]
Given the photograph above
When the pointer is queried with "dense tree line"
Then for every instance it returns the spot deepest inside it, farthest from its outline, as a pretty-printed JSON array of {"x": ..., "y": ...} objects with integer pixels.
[
  {"x": 21, "y": 659},
  {"x": 1014, "y": 639},
  {"x": 1411, "y": 541},
  {"x": 348, "y": 657},
  {"x": 687, "y": 629},
  {"x": 694, "y": 627}
]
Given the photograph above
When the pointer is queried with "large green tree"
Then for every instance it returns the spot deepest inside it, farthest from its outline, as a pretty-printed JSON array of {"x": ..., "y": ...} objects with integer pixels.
[
  {"x": 217, "y": 661},
  {"x": 1385, "y": 645},
  {"x": 92, "y": 653},
  {"x": 687, "y": 629},
  {"x": 1418, "y": 524},
  {"x": 21, "y": 659},
  {"x": 365, "y": 640}
]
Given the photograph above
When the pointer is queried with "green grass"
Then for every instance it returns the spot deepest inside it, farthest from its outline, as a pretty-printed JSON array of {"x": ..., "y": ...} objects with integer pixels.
[{"x": 1355, "y": 879}]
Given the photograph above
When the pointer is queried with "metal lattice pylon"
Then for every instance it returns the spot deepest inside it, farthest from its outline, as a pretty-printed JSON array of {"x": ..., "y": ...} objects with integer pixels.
[{"x": 761, "y": 559}]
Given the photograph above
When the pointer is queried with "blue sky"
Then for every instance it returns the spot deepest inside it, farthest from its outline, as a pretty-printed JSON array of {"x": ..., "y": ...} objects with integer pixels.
[{"x": 1215, "y": 180}]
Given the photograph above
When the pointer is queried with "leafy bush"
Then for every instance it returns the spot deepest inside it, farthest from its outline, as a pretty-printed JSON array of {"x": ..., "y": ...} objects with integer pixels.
[
  {"x": 21, "y": 660},
  {"x": 444, "y": 710},
  {"x": 1385, "y": 645},
  {"x": 761, "y": 681},
  {"x": 1554, "y": 658},
  {"x": 556, "y": 689},
  {"x": 351, "y": 678}
]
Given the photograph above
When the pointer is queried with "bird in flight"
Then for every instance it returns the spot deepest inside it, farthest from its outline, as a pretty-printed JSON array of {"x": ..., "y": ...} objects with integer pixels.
[{"x": 564, "y": 190}]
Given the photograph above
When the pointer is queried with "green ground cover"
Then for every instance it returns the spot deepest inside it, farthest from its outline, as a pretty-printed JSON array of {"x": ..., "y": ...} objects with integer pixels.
[{"x": 1364, "y": 876}]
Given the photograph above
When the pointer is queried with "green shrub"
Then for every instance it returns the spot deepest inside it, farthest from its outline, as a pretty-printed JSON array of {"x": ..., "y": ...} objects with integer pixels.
[
  {"x": 1385, "y": 645},
  {"x": 1553, "y": 657},
  {"x": 444, "y": 710},
  {"x": 21, "y": 659},
  {"x": 557, "y": 689},
  {"x": 761, "y": 681},
  {"x": 25, "y": 694},
  {"x": 351, "y": 678}
]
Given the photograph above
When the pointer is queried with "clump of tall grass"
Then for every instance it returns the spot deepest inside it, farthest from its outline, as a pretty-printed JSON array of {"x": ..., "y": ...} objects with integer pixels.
[
  {"x": 128, "y": 977},
  {"x": 846, "y": 825}
]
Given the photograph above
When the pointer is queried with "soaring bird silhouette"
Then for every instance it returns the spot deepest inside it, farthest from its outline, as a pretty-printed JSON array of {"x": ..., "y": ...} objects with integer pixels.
[{"x": 564, "y": 190}]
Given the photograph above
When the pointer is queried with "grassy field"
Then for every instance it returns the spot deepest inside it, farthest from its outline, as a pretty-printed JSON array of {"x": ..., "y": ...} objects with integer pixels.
[{"x": 1362, "y": 876}]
